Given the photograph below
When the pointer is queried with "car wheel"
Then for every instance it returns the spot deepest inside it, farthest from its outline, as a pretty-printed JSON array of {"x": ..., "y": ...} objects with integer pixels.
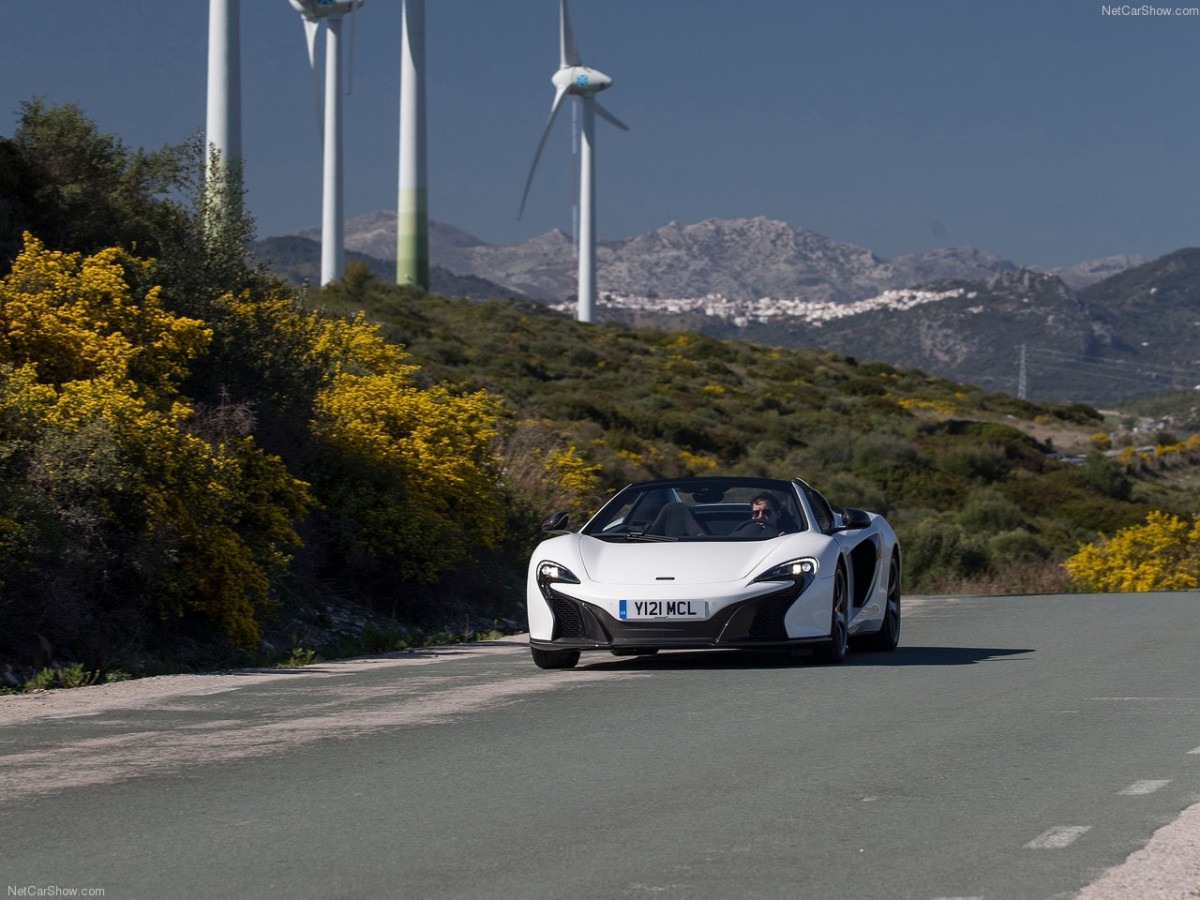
[
  {"x": 834, "y": 650},
  {"x": 554, "y": 659},
  {"x": 888, "y": 636}
]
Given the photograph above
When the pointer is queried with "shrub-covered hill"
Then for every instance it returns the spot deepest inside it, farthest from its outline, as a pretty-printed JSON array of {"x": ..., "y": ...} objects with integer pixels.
[
  {"x": 196, "y": 470},
  {"x": 974, "y": 487}
]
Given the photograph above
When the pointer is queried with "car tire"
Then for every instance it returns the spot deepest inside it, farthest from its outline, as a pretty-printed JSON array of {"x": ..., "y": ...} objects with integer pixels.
[
  {"x": 554, "y": 659},
  {"x": 834, "y": 650},
  {"x": 887, "y": 637}
]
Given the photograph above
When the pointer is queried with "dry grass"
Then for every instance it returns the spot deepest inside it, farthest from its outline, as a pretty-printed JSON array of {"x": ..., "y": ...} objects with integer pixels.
[{"x": 1016, "y": 578}]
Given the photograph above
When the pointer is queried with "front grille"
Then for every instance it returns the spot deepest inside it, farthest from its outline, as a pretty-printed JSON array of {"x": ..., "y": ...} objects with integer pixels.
[
  {"x": 568, "y": 618},
  {"x": 768, "y": 618}
]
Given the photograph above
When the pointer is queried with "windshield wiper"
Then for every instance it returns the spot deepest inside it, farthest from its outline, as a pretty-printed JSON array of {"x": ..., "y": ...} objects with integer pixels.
[{"x": 643, "y": 536}]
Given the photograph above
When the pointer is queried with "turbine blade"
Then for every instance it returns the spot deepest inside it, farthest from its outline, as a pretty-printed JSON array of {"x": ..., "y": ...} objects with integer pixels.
[
  {"x": 558, "y": 99},
  {"x": 568, "y": 53},
  {"x": 311, "y": 29},
  {"x": 350, "y": 61},
  {"x": 311, "y": 26},
  {"x": 605, "y": 114}
]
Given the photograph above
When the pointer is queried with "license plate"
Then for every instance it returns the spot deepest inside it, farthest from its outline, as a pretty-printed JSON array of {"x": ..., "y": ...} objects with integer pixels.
[{"x": 662, "y": 609}]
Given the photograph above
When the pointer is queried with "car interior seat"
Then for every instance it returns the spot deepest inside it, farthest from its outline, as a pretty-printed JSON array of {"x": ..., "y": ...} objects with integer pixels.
[{"x": 676, "y": 520}]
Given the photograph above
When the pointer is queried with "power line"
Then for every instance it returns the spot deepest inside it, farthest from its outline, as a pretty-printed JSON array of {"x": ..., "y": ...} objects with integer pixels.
[
  {"x": 1060, "y": 356},
  {"x": 1041, "y": 361},
  {"x": 1125, "y": 378},
  {"x": 1131, "y": 378}
]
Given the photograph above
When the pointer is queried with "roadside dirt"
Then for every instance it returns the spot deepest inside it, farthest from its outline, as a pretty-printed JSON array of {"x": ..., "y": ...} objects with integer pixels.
[{"x": 1167, "y": 868}]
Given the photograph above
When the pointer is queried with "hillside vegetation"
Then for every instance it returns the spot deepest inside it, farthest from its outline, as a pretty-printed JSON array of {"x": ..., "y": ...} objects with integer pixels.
[
  {"x": 974, "y": 482},
  {"x": 200, "y": 465},
  {"x": 190, "y": 462},
  {"x": 958, "y": 313}
]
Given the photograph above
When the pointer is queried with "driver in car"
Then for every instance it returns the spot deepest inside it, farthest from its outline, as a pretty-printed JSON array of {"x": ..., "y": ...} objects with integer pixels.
[{"x": 764, "y": 518}]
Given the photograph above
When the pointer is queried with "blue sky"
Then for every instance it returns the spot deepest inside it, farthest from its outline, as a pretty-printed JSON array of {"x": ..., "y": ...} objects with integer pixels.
[{"x": 1048, "y": 133}]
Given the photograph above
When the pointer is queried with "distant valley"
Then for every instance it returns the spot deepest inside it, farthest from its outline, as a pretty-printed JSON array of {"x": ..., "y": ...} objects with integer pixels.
[{"x": 1097, "y": 332}]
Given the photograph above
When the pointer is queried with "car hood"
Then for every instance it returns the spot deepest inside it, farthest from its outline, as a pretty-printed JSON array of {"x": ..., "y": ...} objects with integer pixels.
[{"x": 686, "y": 562}]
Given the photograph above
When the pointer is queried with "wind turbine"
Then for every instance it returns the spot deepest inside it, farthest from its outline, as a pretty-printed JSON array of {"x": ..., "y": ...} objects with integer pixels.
[
  {"x": 412, "y": 204},
  {"x": 223, "y": 123},
  {"x": 575, "y": 79},
  {"x": 329, "y": 13}
]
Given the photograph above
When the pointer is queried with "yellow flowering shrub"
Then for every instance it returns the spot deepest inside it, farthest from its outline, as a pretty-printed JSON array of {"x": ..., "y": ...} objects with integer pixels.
[
  {"x": 285, "y": 334},
  {"x": 23, "y": 400},
  {"x": 542, "y": 472},
  {"x": 1161, "y": 555},
  {"x": 697, "y": 463},
  {"x": 915, "y": 404},
  {"x": 74, "y": 317},
  {"x": 409, "y": 476},
  {"x": 222, "y": 512},
  {"x": 439, "y": 446},
  {"x": 567, "y": 469},
  {"x": 90, "y": 418}
]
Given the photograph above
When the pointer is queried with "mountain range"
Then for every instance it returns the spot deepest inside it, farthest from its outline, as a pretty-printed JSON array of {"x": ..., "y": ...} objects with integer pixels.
[
  {"x": 1096, "y": 332},
  {"x": 740, "y": 259}
]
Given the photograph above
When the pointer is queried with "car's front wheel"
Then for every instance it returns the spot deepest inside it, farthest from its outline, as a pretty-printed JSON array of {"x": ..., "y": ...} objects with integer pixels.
[
  {"x": 554, "y": 659},
  {"x": 834, "y": 650},
  {"x": 888, "y": 636}
]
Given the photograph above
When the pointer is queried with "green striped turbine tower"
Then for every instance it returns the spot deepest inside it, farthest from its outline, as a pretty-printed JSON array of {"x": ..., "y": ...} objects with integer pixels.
[{"x": 412, "y": 202}]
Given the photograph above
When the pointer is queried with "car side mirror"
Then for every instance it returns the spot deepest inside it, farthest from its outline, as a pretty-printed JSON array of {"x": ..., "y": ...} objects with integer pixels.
[
  {"x": 853, "y": 519},
  {"x": 556, "y": 523}
]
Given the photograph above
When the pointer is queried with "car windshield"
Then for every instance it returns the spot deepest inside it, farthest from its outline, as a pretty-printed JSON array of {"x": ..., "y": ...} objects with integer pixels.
[{"x": 704, "y": 509}]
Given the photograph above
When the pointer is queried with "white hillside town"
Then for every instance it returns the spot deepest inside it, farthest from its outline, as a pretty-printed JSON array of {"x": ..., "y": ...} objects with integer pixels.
[{"x": 765, "y": 309}]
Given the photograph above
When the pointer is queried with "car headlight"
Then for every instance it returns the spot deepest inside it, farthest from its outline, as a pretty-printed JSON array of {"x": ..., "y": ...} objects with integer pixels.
[
  {"x": 551, "y": 572},
  {"x": 798, "y": 570}
]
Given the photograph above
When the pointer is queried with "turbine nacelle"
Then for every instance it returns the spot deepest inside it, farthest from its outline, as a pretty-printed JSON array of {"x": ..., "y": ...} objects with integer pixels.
[
  {"x": 314, "y": 10},
  {"x": 580, "y": 81}
]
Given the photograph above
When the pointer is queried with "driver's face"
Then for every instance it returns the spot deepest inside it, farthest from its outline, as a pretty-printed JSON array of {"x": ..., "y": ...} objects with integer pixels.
[{"x": 762, "y": 511}]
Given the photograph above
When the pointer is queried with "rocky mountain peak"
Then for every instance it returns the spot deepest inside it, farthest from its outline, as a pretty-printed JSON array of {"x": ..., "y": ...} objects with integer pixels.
[
  {"x": 739, "y": 259},
  {"x": 1094, "y": 270}
]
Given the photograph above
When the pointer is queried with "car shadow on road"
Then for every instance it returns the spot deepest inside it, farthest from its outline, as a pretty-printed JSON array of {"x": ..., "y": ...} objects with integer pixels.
[
  {"x": 938, "y": 656},
  {"x": 752, "y": 659}
]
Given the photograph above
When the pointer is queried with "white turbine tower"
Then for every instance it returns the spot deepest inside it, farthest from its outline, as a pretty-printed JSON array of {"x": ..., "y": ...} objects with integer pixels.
[
  {"x": 575, "y": 79},
  {"x": 223, "y": 125},
  {"x": 412, "y": 204},
  {"x": 329, "y": 13}
]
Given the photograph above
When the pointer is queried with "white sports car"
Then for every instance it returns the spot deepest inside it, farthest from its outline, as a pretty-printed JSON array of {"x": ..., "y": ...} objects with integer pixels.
[{"x": 746, "y": 563}]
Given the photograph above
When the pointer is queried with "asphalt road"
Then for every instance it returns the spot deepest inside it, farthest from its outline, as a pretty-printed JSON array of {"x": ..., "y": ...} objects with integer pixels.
[{"x": 1011, "y": 748}]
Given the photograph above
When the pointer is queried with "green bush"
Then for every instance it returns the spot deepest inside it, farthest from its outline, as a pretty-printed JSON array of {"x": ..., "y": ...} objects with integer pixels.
[
  {"x": 876, "y": 451},
  {"x": 1017, "y": 546},
  {"x": 844, "y": 489},
  {"x": 1107, "y": 477},
  {"x": 979, "y": 463},
  {"x": 988, "y": 510},
  {"x": 300, "y": 657},
  {"x": 42, "y": 681},
  {"x": 936, "y": 548},
  {"x": 75, "y": 675}
]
